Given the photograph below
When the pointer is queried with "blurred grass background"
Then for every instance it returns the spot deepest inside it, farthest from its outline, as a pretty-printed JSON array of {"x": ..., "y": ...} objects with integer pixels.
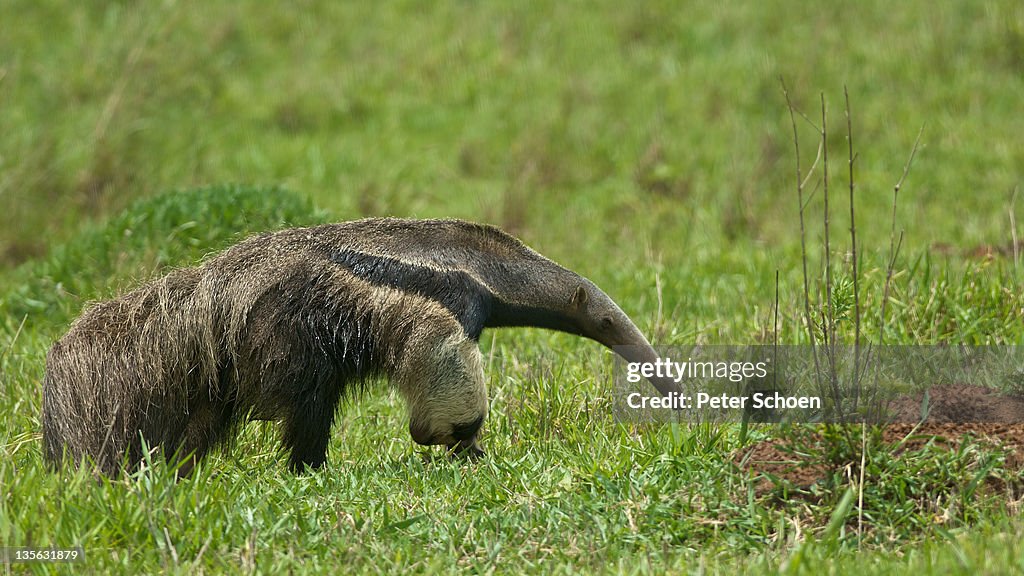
[
  {"x": 654, "y": 136},
  {"x": 653, "y": 123}
]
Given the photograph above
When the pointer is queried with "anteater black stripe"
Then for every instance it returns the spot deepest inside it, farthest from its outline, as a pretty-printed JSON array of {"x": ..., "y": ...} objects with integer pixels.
[{"x": 467, "y": 300}]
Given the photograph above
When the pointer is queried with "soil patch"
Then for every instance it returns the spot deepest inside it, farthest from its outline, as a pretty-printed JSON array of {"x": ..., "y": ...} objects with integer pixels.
[
  {"x": 960, "y": 403},
  {"x": 956, "y": 413}
]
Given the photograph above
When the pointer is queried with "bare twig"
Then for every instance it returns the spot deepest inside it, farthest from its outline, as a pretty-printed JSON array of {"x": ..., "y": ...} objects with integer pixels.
[
  {"x": 800, "y": 181},
  {"x": 809, "y": 121},
  {"x": 814, "y": 165},
  {"x": 1013, "y": 228},
  {"x": 829, "y": 308},
  {"x": 830, "y": 311},
  {"x": 775, "y": 331},
  {"x": 817, "y": 186},
  {"x": 853, "y": 224},
  {"x": 894, "y": 246},
  {"x": 910, "y": 161},
  {"x": 853, "y": 250}
]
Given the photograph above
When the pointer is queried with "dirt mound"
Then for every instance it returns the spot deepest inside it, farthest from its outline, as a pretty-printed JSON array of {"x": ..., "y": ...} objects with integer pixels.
[
  {"x": 959, "y": 403},
  {"x": 955, "y": 414}
]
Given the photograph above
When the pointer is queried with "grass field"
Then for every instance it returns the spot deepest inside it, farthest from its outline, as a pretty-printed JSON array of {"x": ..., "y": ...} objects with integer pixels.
[{"x": 648, "y": 147}]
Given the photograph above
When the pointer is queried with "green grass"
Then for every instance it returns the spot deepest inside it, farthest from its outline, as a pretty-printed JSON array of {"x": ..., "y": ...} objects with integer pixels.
[{"x": 643, "y": 146}]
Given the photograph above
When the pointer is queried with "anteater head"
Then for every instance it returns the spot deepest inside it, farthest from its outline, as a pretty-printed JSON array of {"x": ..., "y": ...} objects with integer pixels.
[{"x": 599, "y": 318}]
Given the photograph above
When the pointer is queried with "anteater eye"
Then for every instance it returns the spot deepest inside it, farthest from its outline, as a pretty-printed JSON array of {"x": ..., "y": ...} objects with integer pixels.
[{"x": 606, "y": 323}]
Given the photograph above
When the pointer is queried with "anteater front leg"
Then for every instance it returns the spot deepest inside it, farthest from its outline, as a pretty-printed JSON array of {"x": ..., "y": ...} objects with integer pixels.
[
  {"x": 442, "y": 378},
  {"x": 307, "y": 429}
]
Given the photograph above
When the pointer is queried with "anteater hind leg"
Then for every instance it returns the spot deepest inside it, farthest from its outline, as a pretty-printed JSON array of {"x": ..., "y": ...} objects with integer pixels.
[
  {"x": 442, "y": 378},
  {"x": 207, "y": 426}
]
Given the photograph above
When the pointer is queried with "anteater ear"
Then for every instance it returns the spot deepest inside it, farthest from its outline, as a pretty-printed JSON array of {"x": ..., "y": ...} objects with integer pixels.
[{"x": 579, "y": 297}]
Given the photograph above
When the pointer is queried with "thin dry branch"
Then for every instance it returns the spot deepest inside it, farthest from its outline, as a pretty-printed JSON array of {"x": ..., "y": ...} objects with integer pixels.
[
  {"x": 810, "y": 172},
  {"x": 853, "y": 250},
  {"x": 830, "y": 310},
  {"x": 894, "y": 246},
  {"x": 910, "y": 161},
  {"x": 800, "y": 181},
  {"x": 1013, "y": 228},
  {"x": 775, "y": 335},
  {"x": 853, "y": 225},
  {"x": 809, "y": 121}
]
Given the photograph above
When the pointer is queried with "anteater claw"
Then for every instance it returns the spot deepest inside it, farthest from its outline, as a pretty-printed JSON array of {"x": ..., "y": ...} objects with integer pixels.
[{"x": 466, "y": 451}]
